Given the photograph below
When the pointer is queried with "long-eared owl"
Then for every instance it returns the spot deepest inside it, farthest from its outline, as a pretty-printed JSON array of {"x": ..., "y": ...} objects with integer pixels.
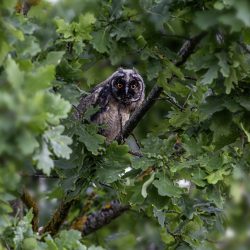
[{"x": 117, "y": 97}]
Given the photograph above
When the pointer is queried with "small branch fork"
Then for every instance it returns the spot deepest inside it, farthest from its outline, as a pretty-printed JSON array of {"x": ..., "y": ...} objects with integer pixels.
[{"x": 186, "y": 50}]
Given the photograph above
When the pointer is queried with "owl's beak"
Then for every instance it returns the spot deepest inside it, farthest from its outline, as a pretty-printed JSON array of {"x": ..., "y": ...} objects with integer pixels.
[{"x": 126, "y": 90}]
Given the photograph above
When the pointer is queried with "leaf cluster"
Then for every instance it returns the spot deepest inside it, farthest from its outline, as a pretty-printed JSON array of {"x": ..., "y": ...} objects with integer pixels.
[{"x": 189, "y": 185}]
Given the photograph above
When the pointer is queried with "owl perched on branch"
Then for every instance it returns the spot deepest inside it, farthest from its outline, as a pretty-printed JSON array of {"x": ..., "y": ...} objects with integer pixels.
[{"x": 117, "y": 98}]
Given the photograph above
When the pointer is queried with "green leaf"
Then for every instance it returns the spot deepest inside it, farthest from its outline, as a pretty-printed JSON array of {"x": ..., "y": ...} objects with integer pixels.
[
  {"x": 221, "y": 123},
  {"x": 23, "y": 229},
  {"x": 193, "y": 232},
  {"x": 160, "y": 215},
  {"x": 9, "y": 4},
  {"x": 124, "y": 30},
  {"x": 44, "y": 161},
  {"x": 178, "y": 88},
  {"x": 100, "y": 40},
  {"x": 163, "y": 76},
  {"x": 198, "y": 177},
  {"x": 5, "y": 207},
  {"x": 174, "y": 70},
  {"x": 142, "y": 163},
  {"x": 225, "y": 70},
  {"x": 167, "y": 238},
  {"x": 69, "y": 240},
  {"x": 178, "y": 118},
  {"x": 14, "y": 75},
  {"x": 153, "y": 70},
  {"x": 224, "y": 130},
  {"x": 27, "y": 142},
  {"x": 51, "y": 245},
  {"x": 218, "y": 175},
  {"x": 212, "y": 104},
  {"x": 40, "y": 79},
  {"x": 88, "y": 135},
  {"x": 29, "y": 243},
  {"x": 231, "y": 80},
  {"x": 87, "y": 19},
  {"x": 211, "y": 74},
  {"x": 59, "y": 142},
  {"x": 56, "y": 108},
  {"x": 119, "y": 153},
  {"x": 166, "y": 187},
  {"x": 29, "y": 47},
  {"x": 85, "y": 25},
  {"x": 243, "y": 101},
  {"x": 63, "y": 27},
  {"x": 243, "y": 8},
  {"x": 206, "y": 19},
  {"x": 114, "y": 163},
  {"x": 53, "y": 58},
  {"x": 4, "y": 50}
]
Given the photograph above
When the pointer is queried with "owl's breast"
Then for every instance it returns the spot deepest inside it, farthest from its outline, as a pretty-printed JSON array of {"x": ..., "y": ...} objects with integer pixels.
[{"x": 113, "y": 117}]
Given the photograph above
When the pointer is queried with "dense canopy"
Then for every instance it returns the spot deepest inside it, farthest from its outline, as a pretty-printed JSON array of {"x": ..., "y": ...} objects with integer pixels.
[{"x": 62, "y": 186}]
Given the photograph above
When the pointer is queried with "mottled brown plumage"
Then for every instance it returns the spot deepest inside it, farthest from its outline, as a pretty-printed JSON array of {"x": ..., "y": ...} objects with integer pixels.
[{"x": 117, "y": 97}]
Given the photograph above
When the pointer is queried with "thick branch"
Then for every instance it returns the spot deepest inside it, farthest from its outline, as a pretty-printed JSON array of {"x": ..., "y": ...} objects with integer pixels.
[
  {"x": 186, "y": 50},
  {"x": 91, "y": 223},
  {"x": 139, "y": 113}
]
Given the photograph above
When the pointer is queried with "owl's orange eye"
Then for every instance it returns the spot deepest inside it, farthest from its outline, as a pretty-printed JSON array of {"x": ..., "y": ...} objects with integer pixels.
[
  {"x": 119, "y": 85},
  {"x": 133, "y": 86}
]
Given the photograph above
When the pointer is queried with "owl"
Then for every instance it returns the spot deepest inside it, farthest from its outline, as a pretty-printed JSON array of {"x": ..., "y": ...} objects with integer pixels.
[{"x": 117, "y": 97}]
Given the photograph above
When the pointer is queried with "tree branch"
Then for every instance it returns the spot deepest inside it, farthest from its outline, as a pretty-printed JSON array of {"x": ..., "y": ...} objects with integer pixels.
[
  {"x": 244, "y": 47},
  {"x": 93, "y": 222},
  {"x": 186, "y": 50},
  {"x": 23, "y": 6},
  {"x": 58, "y": 218},
  {"x": 29, "y": 201},
  {"x": 171, "y": 100}
]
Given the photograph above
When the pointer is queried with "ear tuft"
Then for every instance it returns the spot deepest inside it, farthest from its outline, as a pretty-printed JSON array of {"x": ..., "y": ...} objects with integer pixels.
[
  {"x": 135, "y": 70},
  {"x": 120, "y": 69}
]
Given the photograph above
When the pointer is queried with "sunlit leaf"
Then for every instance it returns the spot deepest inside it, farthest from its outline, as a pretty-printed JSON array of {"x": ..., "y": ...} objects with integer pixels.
[{"x": 43, "y": 158}]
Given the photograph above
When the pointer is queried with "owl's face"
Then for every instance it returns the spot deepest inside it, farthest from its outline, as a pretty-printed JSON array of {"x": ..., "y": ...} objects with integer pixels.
[{"x": 127, "y": 85}]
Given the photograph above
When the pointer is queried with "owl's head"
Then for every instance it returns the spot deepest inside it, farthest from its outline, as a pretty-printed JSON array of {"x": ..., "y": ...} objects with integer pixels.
[{"x": 127, "y": 85}]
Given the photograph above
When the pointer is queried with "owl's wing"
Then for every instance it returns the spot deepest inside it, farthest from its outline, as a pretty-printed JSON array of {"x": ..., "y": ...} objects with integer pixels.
[{"x": 99, "y": 96}]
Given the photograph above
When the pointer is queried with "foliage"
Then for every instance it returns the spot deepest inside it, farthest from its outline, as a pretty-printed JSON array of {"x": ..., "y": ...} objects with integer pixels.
[{"x": 198, "y": 133}]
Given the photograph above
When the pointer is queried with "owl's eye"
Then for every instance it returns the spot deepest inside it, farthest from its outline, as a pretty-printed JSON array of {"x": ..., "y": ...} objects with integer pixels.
[
  {"x": 119, "y": 85},
  {"x": 133, "y": 86}
]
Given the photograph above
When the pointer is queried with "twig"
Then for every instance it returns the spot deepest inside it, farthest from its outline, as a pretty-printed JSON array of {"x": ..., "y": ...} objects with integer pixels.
[
  {"x": 171, "y": 100},
  {"x": 186, "y": 50},
  {"x": 29, "y": 201},
  {"x": 244, "y": 47},
  {"x": 138, "y": 154},
  {"x": 38, "y": 175},
  {"x": 184, "y": 104}
]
